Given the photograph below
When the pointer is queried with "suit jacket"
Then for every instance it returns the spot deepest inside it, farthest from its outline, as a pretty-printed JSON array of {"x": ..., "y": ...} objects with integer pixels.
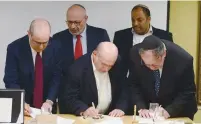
[
  {"x": 123, "y": 39},
  {"x": 19, "y": 69},
  {"x": 177, "y": 86},
  {"x": 81, "y": 89},
  {"x": 94, "y": 37}
]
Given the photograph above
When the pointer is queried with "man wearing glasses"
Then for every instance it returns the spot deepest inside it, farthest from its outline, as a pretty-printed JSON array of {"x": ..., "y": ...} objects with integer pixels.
[
  {"x": 33, "y": 64},
  {"x": 95, "y": 85},
  {"x": 162, "y": 72},
  {"x": 79, "y": 39}
]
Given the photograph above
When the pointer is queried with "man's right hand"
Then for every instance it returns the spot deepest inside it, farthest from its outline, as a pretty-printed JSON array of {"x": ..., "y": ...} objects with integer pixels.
[
  {"x": 91, "y": 112},
  {"x": 27, "y": 110},
  {"x": 144, "y": 113}
]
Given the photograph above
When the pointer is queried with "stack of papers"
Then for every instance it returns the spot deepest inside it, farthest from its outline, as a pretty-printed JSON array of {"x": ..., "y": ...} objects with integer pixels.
[
  {"x": 107, "y": 120},
  {"x": 34, "y": 112}
]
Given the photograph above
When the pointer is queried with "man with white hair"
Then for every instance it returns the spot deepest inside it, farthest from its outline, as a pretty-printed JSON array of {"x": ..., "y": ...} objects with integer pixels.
[
  {"x": 95, "y": 78},
  {"x": 33, "y": 64}
]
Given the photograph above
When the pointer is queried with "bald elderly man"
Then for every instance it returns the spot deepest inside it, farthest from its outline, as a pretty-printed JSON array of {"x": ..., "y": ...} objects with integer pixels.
[
  {"x": 95, "y": 78},
  {"x": 79, "y": 39},
  {"x": 33, "y": 64}
]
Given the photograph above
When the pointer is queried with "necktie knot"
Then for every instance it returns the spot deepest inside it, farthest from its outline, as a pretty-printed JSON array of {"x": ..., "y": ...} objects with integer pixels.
[
  {"x": 38, "y": 54},
  {"x": 78, "y": 36}
]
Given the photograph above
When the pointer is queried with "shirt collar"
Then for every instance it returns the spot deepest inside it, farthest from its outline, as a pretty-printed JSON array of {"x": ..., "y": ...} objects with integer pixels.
[{"x": 94, "y": 67}]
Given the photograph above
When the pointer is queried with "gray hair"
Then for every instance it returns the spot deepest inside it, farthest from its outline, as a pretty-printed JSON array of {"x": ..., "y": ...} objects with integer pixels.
[{"x": 159, "y": 51}]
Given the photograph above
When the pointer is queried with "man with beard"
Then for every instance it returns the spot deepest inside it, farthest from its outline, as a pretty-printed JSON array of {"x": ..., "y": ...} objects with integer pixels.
[
  {"x": 79, "y": 39},
  {"x": 141, "y": 27}
]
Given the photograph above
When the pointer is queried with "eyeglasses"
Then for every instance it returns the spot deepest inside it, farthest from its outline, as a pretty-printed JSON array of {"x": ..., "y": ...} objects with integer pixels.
[
  {"x": 76, "y": 23},
  {"x": 39, "y": 43}
]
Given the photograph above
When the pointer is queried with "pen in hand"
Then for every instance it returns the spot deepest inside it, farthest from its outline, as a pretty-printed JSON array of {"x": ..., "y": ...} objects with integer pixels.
[{"x": 93, "y": 105}]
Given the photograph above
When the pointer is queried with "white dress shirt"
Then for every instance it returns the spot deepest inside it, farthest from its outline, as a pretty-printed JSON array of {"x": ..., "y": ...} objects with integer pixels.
[
  {"x": 34, "y": 53},
  {"x": 139, "y": 38},
  {"x": 104, "y": 89}
]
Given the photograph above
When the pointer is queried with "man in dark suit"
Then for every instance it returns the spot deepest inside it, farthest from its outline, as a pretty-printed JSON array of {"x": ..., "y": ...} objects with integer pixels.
[
  {"x": 79, "y": 39},
  {"x": 141, "y": 27},
  {"x": 95, "y": 78},
  {"x": 162, "y": 72},
  {"x": 33, "y": 64}
]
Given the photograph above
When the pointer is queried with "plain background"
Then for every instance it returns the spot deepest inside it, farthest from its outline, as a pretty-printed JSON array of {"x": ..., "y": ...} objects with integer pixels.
[{"x": 113, "y": 16}]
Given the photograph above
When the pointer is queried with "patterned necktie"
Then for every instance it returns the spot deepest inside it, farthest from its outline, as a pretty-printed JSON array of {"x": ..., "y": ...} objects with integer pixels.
[
  {"x": 38, "y": 87},
  {"x": 157, "y": 81},
  {"x": 78, "y": 47}
]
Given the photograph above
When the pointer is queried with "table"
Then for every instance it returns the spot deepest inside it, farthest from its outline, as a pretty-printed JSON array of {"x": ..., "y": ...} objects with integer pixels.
[{"x": 126, "y": 119}]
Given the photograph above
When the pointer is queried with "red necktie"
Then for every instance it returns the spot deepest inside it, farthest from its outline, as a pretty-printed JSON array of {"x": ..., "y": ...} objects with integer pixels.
[
  {"x": 78, "y": 47},
  {"x": 38, "y": 87}
]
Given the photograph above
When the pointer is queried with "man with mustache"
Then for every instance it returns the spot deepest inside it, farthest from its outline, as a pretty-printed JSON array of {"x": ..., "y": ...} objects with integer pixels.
[
  {"x": 79, "y": 39},
  {"x": 141, "y": 27}
]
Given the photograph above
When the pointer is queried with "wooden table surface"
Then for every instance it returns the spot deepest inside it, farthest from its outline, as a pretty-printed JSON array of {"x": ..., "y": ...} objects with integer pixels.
[{"x": 126, "y": 119}]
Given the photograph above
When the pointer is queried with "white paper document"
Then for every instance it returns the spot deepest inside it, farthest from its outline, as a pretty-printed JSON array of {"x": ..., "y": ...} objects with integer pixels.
[
  {"x": 5, "y": 109},
  {"x": 61, "y": 120},
  {"x": 108, "y": 120},
  {"x": 151, "y": 121},
  {"x": 34, "y": 112}
]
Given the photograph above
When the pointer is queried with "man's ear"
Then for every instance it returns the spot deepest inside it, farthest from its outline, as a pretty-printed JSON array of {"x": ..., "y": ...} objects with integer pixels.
[
  {"x": 164, "y": 54},
  {"x": 95, "y": 52},
  {"x": 86, "y": 17}
]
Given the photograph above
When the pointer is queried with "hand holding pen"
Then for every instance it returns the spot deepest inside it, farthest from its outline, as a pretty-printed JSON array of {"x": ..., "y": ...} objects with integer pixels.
[{"x": 91, "y": 111}]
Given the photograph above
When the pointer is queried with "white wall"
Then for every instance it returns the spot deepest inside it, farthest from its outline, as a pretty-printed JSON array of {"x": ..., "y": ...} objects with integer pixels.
[{"x": 16, "y": 17}]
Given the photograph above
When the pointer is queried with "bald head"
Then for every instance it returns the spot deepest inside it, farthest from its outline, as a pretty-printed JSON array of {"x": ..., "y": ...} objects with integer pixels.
[
  {"x": 105, "y": 56},
  {"x": 39, "y": 33},
  {"x": 76, "y": 10},
  {"x": 108, "y": 51},
  {"x": 39, "y": 26},
  {"x": 76, "y": 19}
]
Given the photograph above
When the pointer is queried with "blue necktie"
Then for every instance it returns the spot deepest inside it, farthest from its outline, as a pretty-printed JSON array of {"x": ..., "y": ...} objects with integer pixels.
[{"x": 157, "y": 81}]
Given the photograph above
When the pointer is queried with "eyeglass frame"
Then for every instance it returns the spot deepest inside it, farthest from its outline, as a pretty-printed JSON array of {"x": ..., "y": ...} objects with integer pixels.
[{"x": 76, "y": 23}]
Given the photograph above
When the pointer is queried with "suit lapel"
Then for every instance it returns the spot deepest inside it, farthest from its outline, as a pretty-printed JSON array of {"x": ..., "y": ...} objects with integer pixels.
[
  {"x": 91, "y": 79},
  {"x": 112, "y": 81},
  {"x": 130, "y": 37},
  {"x": 27, "y": 57},
  {"x": 46, "y": 54},
  {"x": 90, "y": 39},
  {"x": 166, "y": 75},
  {"x": 68, "y": 43},
  {"x": 149, "y": 78}
]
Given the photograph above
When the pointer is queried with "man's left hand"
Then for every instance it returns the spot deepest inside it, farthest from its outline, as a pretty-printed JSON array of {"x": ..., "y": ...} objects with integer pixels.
[
  {"x": 47, "y": 106},
  {"x": 116, "y": 113}
]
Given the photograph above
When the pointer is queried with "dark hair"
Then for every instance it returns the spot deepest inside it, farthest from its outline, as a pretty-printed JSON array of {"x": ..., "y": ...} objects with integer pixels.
[
  {"x": 152, "y": 43},
  {"x": 144, "y": 8}
]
